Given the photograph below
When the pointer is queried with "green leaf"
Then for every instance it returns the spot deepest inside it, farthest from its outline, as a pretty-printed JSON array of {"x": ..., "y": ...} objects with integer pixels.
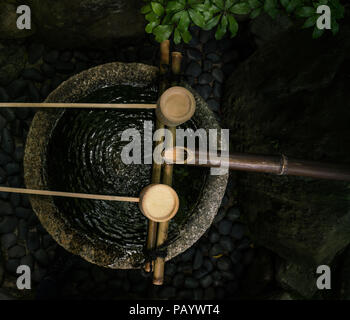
[
  {"x": 309, "y": 22},
  {"x": 240, "y": 8},
  {"x": 255, "y": 13},
  {"x": 184, "y": 22},
  {"x": 177, "y": 36},
  {"x": 229, "y": 4},
  {"x": 219, "y": 3},
  {"x": 305, "y": 12},
  {"x": 270, "y": 7},
  {"x": 222, "y": 28},
  {"x": 254, "y": 4},
  {"x": 146, "y": 9},
  {"x": 293, "y": 4},
  {"x": 186, "y": 36},
  {"x": 175, "y": 6},
  {"x": 233, "y": 25},
  {"x": 150, "y": 17},
  {"x": 151, "y": 26},
  {"x": 317, "y": 33},
  {"x": 197, "y": 18},
  {"x": 157, "y": 8},
  {"x": 176, "y": 17},
  {"x": 212, "y": 23},
  {"x": 162, "y": 32}
]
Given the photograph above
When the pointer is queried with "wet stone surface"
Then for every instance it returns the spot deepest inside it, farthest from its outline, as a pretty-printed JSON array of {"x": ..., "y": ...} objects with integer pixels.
[{"x": 212, "y": 268}]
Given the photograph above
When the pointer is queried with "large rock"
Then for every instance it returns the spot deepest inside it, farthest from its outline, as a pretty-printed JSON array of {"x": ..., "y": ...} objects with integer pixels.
[
  {"x": 87, "y": 22},
  {"x": 292, "y": 97}
]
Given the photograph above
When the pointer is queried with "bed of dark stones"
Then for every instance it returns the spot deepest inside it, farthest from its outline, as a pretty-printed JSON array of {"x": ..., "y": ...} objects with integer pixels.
[{"x": 212, "y": 268}]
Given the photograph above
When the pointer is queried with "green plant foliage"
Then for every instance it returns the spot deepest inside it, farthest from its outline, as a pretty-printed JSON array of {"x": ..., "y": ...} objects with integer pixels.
[{"x": 168, "y": 18}]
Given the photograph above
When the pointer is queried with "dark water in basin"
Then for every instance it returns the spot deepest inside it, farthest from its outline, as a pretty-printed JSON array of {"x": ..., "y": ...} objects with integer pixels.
[{"x": 84, "y": 156}]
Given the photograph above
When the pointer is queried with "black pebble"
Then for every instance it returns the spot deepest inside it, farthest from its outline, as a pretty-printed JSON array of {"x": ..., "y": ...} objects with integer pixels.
[
  {"x": 33, "y": 92},
  {"x": 238, "y": 231},
  {"x": 22, "y": 230},
  {"x": 204, "y": 36},
  {"x": 16, "y": 252},
  {"x": 167, "y": 292},
  {"x": 45, "y": 90},
  {"x": 204, "y": 91},
  {"x": 35, "y": 52},
  {"x": 170, "y": 269},
  {"x": 218, "y": 75},
  {"x": 12, "y": 265},
  {"x": 214, "y": 237},
  {"x": 48, "y": 241},
  {"x": 205, "y": 78},
  {"x": 15, "y": 181},
  {"x": 42, "y": 257},
  {"x": 47, "y": 70},
  {"x": 200, "y": 273},
  {"x": 227, "y": 243},
  {"x": 213, "y": 57},
  {"x": 3, "y": 95},
  {"x": 207, "y": 65},
  {"x": 193, "y": 69},
  {"x": 209, "y": 293},
  {"x": 8, "y": 224},
  {"x": 33, "y": 241},
  {"x": 19, "y": 154},
  {"x": 188, "y": 255},
  {"x": 17, "y": 88},
  {"x": 28, "y": 261},
  {"x": 8, "y": 240},
  {"x": 248, "y": 256},
  {"x": 191, "y": 283},
  {"x": 2, "y": 122},
  {"x": 5, "y": 208},
  {"x": 198, "y": 260},
  {"x": 220, "y": 215},
  {"x": 225, "y": 227},
  {"x": 66, "y": 56},
  {"x": 2, "y": 175},
  {"x": 32, "y": 74},
  {"x": 178, "y": 280},
  {"x": 206, "y": 281},
  {"x": 236, "y": 257},
  {"x": 51, "y": 56},
  {"x": 8, "y": 114},
  {"x": 224, "y": 264},
  {"x": 12, "y": 168},
  {"x": 217, "y": 90},
  {"x": 213, "y": 105},
  {"x": 233, "y": 214},
  {"x": 15, "y": 199},
  {"x": 194, "y": 54},
  {"x": 216, "y": 250},
  {"x": 64, "y": 67},
  {"x": 210, "y": 46}
]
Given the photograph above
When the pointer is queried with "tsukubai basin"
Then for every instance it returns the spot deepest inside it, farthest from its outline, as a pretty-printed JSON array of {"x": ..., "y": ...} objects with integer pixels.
[{"x": 77, "y": 151}]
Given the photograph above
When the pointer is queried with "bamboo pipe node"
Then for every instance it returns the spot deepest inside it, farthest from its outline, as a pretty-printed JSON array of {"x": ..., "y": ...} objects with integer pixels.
[
  {"x": 176, "y": 106},
  {"x": 159, "y": 202}
]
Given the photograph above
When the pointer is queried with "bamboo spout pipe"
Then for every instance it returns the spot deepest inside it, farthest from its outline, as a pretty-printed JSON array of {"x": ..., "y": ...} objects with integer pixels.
[
  {"x": 279, "y": 165},
  {"x": 69, "y": 105},
  {"x": 68, "y": 194}
]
